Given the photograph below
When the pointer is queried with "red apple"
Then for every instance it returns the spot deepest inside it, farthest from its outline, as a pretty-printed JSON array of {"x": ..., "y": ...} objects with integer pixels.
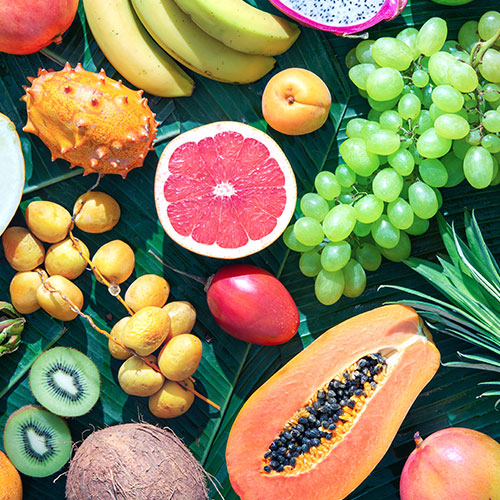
[
  {"x": 452, "y": 464},
  {"x": 27, "y": 26}
]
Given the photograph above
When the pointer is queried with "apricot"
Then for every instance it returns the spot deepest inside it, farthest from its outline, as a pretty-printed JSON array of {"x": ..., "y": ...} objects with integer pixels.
[
  {"x": 48, "y": 221},
  {"x": 137, "y": 378},
  {"x": 180, "y": 356},
  {"x": 182, "y": 317},
  {"x": 296, "y": 102},
  {"x": 115, "y": 260},
  {"x": 116, "y": 350},
  {"x": 53, "y": 303},
  {"x": 97, "y": 212},
  {"x": 23, "y": 289},
  {"x": 147, "y": 290},
  {"x": 23, "y": 251},
  {"x": 64, "y": 258},
  {"x": 171, "y": 400}
]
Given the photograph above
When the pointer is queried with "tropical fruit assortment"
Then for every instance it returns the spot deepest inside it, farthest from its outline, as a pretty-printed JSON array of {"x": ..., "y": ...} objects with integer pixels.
[{"x": 227, "y": 190}]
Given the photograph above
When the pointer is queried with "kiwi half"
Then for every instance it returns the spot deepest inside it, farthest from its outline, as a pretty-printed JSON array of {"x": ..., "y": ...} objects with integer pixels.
[
  {"x": 36, "y": 441},
  {"x": 65, "y": 381}
]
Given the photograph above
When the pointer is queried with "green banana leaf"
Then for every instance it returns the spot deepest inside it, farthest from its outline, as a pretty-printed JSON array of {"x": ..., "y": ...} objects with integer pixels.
[{"x": 230, "y": 370}]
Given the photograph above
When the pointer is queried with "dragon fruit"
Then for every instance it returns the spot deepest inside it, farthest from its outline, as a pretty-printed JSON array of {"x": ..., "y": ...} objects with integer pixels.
[
  {"x": 90, "y": 120},
  {"x": 338, "y": 16}
]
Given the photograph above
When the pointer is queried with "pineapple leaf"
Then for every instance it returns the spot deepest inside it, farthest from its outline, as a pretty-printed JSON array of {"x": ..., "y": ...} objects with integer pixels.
[
  {"x": 449, "y": 242},
  {"x": 490, "y": 382},
  {"x": 480, "y": 358},
  {"x": 472, "y": 366}
]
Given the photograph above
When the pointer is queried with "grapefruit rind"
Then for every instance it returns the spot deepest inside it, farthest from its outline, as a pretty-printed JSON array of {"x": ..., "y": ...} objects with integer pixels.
[
  {"x": 11, "y": 171},
  {"x": 215, "y": 250}
]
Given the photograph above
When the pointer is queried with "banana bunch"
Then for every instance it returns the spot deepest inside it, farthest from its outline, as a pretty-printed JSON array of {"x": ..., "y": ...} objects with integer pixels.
[{"x": 225, "y": 40}]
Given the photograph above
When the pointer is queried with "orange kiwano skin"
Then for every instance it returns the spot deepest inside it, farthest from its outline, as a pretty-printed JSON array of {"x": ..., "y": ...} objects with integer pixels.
[
  {"x": 90, "y": 120},
  {"x": 296, "y": 102},
  {"x": 11, "y": 487},
  {"x": 412, "y": 360}
]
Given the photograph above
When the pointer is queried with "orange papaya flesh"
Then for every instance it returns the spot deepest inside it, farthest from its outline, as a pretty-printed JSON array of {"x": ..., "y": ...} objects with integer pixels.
[{"x": 406, "y": 361}]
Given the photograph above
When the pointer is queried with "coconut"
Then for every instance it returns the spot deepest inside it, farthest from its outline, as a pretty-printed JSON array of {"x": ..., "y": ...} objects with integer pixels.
[{"x": 135, "y": 462}]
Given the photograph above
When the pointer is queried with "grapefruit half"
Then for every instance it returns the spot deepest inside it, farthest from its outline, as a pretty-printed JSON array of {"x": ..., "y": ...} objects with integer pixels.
[
  {"x": 11, "y": 171},
  {"x": 224, "y": 190}
]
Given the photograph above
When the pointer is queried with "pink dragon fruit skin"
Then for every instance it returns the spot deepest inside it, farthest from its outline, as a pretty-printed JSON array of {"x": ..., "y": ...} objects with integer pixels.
[{"x": 387, "y": 11}]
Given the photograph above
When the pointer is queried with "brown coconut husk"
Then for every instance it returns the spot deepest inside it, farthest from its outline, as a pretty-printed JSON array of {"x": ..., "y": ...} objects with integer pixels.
[{"x": 136, "y": 461}]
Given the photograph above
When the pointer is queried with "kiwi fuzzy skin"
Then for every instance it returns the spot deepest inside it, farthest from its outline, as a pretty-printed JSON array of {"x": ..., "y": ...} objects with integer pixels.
[{"x": 136, "y": 461}]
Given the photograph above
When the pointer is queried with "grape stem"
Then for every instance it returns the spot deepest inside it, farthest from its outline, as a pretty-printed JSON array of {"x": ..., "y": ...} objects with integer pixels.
[{"x": 480, "y": 48}]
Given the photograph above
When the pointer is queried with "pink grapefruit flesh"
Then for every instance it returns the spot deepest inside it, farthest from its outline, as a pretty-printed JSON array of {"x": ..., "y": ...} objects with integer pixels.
[{"x": 224, "y": 190}]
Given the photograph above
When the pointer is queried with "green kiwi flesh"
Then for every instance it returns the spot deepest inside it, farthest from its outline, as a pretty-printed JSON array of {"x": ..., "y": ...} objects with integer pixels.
[
  {"x": 36, "y": 441},
  {"x": 65, "y": 381}
]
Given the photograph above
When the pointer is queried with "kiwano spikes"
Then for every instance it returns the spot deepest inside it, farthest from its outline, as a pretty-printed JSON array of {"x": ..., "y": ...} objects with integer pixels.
[{"x": 114, "y": 112}]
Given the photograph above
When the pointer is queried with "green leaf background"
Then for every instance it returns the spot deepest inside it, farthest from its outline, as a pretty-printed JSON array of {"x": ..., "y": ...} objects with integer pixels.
[{"x": 231, "y": 370}]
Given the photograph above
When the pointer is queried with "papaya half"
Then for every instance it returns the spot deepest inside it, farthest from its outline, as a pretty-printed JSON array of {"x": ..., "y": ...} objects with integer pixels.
[{"x": 318, "y": 427}]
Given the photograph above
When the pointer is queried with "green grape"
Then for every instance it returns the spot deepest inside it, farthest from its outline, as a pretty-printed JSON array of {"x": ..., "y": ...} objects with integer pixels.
[
  {"x": 373, "y": 115},
  {"x": 313, "y": 205},
  {"x": 364, "y": 51},
  {"x": 489, "y": 67},
  {"x": 439, "y": 67},
  {"x": 384, "y": 84},
  {"x": 406, "y": 185},
  {"x": 400, "y": 213},
  {"x": 431, "y": 145},
  {"x": 495, "y": 168},
  {"x": 358, "y": 158},
  {"x": 435, "y": 112},
  {"x": 419, "y": 226},
  {"x": 368, "y": 209},
  {"x": 451, "y": 46},
  {"x": 400, "y": 252},
  {"x": 355, "y": 126},
  {"x": 329, "y": 287},
  {"x": 387, "y": 184},
  {"x": 363, "y": 93},
  {"x": 369, "y": 128},
  {"x": 468, "y": 35},
  {"x": 384, "y": 233},
  {"x": 452, "y": 126},
  {"x": 478, "y": 167},
  {"x": 308, "y": 231},
  {"x": 350, "y": 58},
  {"x": 391, "y": 120},
  {"x": 463, "y": 77},
  {"x": 473, "y": 137},
  {"x": 327, "y": 185},
  {"x": 346, "y": 198},
  {"x": 339, "y": 222},
  {"x": 354, "y": 279},
  {"x": 455, "y": 169},
  {"x": 361, "y": 229},
  {"x": 382, "y": 105},
  {"x": 359, "y": 74},
  {"x": 392, "y": 53},
  {"x": 402, "y": 162},
  {"x": 491, "y": 92},
  {"x": 447, "y": 98},
  {"x": 439, "y": 197},
  {"x": 416, "y": 155},
  {"x": 433, "y": 172},
  {"x": 409, "y": 37},
  {"x": 489, "y": 24},
  {"x": 423, "y": 200},
  {"x": 293, "y": 243},
  {"x": 431, "y": 36},
  {"x": 368, "y": 256},
  {"x": 424, "y": 122},
  {"x": 409, "y": 106},
  {"x": 310, "y": 263},
  {"x": 345, "y": 175},
  {"x": 427, "y": 95},
  {"x": 491, "y": 142},
  {"x": 460, "y": 148},
  {"x": 383, "y": 142},
  {"x": 420, "y": 78},
  {"x": 411, "y": 89},
  {"x": 491, "y": 121},
  {"x": 335, "y": 255},
  {"x": 406, "y": 142}
]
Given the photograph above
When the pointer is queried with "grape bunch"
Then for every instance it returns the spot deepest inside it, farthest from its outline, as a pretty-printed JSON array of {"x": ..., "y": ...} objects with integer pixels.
[{"x": 434, "y": 121}]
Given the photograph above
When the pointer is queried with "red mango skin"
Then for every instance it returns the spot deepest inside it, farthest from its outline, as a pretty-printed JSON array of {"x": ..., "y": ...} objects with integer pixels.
[
  {"x": 453, "y": 464},
  {"x": 27, "y": 26},
  {"x": 252, "y": 305}
]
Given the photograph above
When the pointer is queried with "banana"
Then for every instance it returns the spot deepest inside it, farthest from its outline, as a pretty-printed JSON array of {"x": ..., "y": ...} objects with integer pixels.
[
  {"x": 132, "y": 52},
  {"x": 241, "y": 26},
  {"x": 183, "y": 40}
]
